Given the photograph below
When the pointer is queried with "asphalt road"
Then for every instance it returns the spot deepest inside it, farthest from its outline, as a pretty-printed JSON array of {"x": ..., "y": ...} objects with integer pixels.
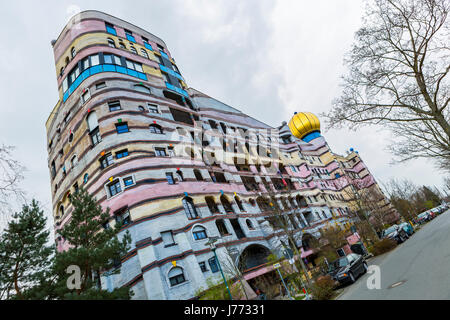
[{"x": 419, "y": 267}]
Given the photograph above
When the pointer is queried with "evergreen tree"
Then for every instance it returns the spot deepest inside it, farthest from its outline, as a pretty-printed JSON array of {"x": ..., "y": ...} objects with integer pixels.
[
  {"x": 93, "y": 248},
  {"x": 25, "y": 256}
]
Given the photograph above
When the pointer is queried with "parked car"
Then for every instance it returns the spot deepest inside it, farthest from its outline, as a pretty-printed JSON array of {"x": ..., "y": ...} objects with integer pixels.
[
  {"x": 349, "y": 268},
  {"x": 395, "y": 233},
  {"x": 407, "y": 227},
  {"x": 423, "y": 218}
]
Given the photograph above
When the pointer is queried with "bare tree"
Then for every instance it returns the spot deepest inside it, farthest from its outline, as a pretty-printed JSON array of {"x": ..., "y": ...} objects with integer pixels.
[
  {"x": 282, "y": 219},
  {"x": 401, "y": 194},
  {"x": 398, "y": 68},
  {"x": 11, "y": 174}
]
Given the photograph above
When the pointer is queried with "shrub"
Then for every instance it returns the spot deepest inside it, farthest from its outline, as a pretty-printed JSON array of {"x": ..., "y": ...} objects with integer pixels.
[
  {"x": 322, "y": 289},
  {"x": 383, "y": 246}
]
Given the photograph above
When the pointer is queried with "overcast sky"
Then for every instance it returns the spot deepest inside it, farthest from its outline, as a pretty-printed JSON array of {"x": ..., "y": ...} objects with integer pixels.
[{"x": 268, "y": 58}]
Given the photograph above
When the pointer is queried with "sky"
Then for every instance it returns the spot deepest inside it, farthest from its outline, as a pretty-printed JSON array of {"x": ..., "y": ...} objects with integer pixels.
[{"x": 268, "y": 58}]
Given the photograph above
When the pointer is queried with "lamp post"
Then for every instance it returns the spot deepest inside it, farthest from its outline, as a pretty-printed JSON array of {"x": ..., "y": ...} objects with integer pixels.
[{"x": 211, "y": 243}]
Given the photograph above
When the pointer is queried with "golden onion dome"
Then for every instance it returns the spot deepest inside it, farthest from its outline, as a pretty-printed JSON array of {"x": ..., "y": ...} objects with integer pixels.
[{"x": 304, "y": 123}]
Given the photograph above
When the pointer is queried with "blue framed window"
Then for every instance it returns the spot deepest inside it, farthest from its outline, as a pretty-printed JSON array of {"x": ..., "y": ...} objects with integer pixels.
[
  {"x": 110, "y": 29},
  {"x": 86, "y": 178},
  {"x": 199, "y": 233},
  {"x": 170, "y": 179},
  {"x": 129, "y": 36},
  {"x": 122, "y": 128},
  {"x": 128, "y": 181},
  {"x": 122, "y": 154},
  {"x": 213, "y": 265}
]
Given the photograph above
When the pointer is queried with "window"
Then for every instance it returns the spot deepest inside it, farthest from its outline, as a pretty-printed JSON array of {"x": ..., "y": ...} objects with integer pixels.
[
  {"x": 73, "y": 52},
  {"x": 110, "y": 29},
  {"x": 154, "y": 128},
  {"x": 160, "y": 152},
  {"x": 133, "y": 49},
  {"x": 85, "y": 96},
  {"x": 222, "y": 228},
  {"x": 141, "y": 88},
  {"x": 226, "y": 204},
  {"x": 114, "y": 188},
  {"x": 114, "y": 106},
  {"x": 213, "y": 265},
  {"x": 199, "y": 233},
  {"x": 239, "y": 203},
  {"x": 112, "y": 59},
  {"x": 141, "y": 108},
  {"x": 203, "y": 266},
  {"x": 111, "y": 43},
  {"x": 95, "y": 136},
  {"x": 176, "y": 276},
  {"x": 167, "y": 238},
  {"x": 122, "y": 154},
  {"x": 86, "y": 178},
  {"x": 153, "y": 108},
  {"x": 212, "y": 205},
  {"x": 74, "y": 161},
  {"x": 106, "y": 161},
  {"x": 198, "y": 175},
  {"x": 123, "y": 216},
  {"x": 129, "y": 36},
  {"x": 122, "y": 45},
  {"x": 180, "y": 176},
  {"x": 100, "y": 85},
  {"x": 189, "y": 208},
  {"x": 144, "y": 53},
  {"x": 122, "y": 128},
  {"x": 128, "y": 181},
  {"x": 169, "y": 177},
  {"x": 249, "y": 224},
  {"x": 95, "y": 60},
  {"x": 134, "y": 65}
]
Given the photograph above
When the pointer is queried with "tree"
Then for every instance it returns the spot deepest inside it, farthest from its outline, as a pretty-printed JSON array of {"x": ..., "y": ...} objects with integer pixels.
[
  {"x": 398, "y": 78},
  {"x": 401, "y": 194},
  {"x": 11, "y": 173},
  {"x": 93, "y": 248},
  {"x": 25, "y": 256}
]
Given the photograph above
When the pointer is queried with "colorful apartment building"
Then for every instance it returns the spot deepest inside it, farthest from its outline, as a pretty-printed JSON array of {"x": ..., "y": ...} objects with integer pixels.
[{"x": 179, "y": 167}]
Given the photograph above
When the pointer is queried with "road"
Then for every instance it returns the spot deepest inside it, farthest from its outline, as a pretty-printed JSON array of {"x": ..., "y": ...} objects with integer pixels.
[{"x": 420, "y": 267}]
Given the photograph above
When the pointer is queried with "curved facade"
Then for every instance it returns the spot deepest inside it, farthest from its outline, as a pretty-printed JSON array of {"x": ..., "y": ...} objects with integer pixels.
[{"x": 176, "y": 165}]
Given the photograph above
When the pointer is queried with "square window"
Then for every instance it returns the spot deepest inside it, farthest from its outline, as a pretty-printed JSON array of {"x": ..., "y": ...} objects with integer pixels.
[
  {"x": 114, "y": 106},
  {"x": 122, "y": 128},
  {"x": 128, "y": 181},
  {"x": 160, "y": 152},
  {"x": 122, "y": 154},
  {"x": 114, "y": 188},
  {"x": 100, "y": 85},
  {"x": 153, "y": 108},
  {"x": 106, "y": 161},
  {"x": 167, "y": 238}
]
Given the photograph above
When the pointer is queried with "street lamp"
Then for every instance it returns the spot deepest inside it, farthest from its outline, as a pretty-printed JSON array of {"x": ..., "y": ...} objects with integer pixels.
[{"x": 211, "y": 243}]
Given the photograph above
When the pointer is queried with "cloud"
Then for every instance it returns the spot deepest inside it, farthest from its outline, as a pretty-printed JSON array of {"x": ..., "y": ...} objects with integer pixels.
[{"x": 267, "y": 58}]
